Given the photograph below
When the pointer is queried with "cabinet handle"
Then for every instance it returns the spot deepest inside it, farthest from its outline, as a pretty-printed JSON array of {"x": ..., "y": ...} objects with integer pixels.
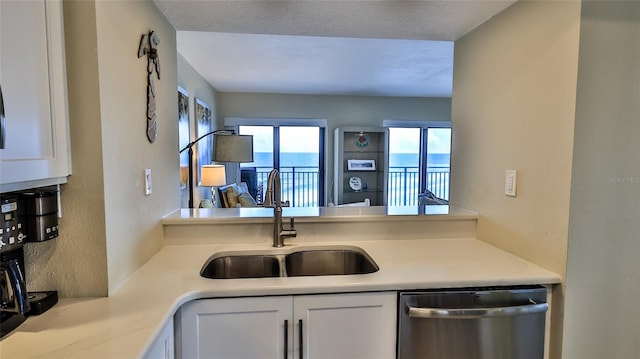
[
  {"x": 300, "y": 349},
  {"x": 286, "y": 338},
  {"x": 2, "y": 124}
]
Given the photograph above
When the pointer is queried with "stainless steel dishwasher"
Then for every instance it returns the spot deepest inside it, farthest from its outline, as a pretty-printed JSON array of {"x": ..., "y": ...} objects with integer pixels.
[{"x": 486, "y": 323}]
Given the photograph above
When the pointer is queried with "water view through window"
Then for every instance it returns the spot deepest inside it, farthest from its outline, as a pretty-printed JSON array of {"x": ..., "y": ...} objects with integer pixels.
[
  {"x": 419, "y": 161},
  {"x": 295, "y": 152},
  {"x": 438, "y": 161},
  {"x": 409, "y": 156}
]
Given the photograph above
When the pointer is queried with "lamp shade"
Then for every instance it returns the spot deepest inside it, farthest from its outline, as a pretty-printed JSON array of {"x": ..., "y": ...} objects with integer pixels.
[
  {"x": 232, "y": 148},
  {"x": 213, "y": 176}
]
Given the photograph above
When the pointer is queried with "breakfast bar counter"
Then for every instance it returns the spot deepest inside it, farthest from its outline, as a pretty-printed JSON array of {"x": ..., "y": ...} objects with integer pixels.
[{"x": 125, "y": 324}]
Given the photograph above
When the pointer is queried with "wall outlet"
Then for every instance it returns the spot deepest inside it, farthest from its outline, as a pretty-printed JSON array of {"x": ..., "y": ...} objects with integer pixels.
[
  {"x": 510, "y": 182},
  {"x": 147, "y": 182}
]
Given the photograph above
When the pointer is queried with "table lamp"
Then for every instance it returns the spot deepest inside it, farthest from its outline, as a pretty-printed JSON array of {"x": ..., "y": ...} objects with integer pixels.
[
  {"x": 227, "y": 147},
  {"x": 213, "y": 176}
]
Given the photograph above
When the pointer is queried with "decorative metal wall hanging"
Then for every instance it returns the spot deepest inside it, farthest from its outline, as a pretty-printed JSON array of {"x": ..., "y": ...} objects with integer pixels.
[{"x": 149, "y": 46}]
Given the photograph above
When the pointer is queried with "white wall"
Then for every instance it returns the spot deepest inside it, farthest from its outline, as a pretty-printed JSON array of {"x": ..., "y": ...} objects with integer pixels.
[
  {"x": 109, "y": 227},
  {"x": 75, "y": 263},
  {"x": 513, "y": 107},
  {"x": 134, "y": 232},
  {"x": 339, "y": 111},
  {"x": 190, "y": 80},
  {"x": 602, "y": 315}
]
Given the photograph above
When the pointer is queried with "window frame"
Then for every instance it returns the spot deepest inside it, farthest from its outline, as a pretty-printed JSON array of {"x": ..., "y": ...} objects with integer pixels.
[
  {"x": 235, "y": 123},
  {"x": 424, "y": 127}
]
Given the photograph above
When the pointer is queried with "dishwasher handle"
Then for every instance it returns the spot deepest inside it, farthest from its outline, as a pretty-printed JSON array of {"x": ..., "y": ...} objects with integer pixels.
[{"x": 474, "y": 313}]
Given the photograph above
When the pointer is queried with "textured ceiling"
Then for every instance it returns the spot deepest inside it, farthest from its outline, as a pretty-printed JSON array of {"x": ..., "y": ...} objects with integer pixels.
[
  {"x": 320, "y": 65},
  {"x": 364, "y": 47}
]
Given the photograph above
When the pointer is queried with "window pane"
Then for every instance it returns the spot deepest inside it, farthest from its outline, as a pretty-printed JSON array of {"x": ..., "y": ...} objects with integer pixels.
[
  {"x": 262, "y": 146},
  {"x": 438, "y": 161},
  {"x": 404, "y": 164},
  {"x": 299, "y": 160},
  {"x": 299, "y": 165},
  {"x": 262, "y": 156}
]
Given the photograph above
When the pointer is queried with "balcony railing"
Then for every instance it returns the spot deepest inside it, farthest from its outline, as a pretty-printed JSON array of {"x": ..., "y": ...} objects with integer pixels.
[
  {"x": 300, "y": 184},
  {"x": 403, "y": 184}
]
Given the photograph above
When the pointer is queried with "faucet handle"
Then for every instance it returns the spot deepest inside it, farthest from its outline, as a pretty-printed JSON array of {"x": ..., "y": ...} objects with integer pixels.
[{"x": 291, "y": 232}]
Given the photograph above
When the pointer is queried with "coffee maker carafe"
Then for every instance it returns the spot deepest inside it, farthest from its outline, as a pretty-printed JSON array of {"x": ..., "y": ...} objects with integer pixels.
[
  {"x": 12, "y": 288},
  {"x": 14, "y": 303}
]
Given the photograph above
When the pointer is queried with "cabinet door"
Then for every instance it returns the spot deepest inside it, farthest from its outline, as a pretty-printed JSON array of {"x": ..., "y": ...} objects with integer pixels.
[
  {"x": 236, "y": 328},
  {"x": 33, "y": 82},
  {"x": 361, "y": 325},
  {"x": 162, "y": 347}
]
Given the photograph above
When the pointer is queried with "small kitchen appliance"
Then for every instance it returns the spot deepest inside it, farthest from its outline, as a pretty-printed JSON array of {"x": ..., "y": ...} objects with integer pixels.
[
  {"x": 14, "y": 303},
  {"x": 26, "y": 217},
  {"x": 41, "y": 214}
]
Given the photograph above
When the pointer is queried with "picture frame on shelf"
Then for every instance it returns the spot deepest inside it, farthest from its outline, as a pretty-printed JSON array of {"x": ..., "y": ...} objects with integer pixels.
[{"x": 361, "y": 165}]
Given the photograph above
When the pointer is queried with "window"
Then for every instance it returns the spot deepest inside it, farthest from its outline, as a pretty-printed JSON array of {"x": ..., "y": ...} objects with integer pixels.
[
  {"x": 419, "y": 161},
  {"x": 438, "y": 161},
  {"x": 404, "y": 166},
  {"x": 297, "y": 152}
]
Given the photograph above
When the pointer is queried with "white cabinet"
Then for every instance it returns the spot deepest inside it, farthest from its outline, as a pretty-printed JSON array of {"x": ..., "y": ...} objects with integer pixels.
[
  {"x": 234, "y": 328},
  {"x": 359, "y": 325},
  {"x": 346, "y": 325},
  {"x": 163, "y": 346},
  {"x": 33, "y": 83}
]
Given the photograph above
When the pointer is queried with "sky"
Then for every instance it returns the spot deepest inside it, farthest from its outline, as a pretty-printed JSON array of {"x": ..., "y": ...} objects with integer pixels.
[
  {"x": 299, "y": 139},
  {"x": 407, "y": 140}
]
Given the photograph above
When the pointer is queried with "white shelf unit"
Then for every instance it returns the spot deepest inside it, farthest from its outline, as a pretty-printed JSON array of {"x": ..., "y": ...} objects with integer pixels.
[{"x": 349, "y": 146}]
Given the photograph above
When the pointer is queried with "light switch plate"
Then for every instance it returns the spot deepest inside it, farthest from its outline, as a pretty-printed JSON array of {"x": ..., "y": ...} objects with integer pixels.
[
  {"x": 510, "y": 182},
  {"x": 147, "y": 182}
]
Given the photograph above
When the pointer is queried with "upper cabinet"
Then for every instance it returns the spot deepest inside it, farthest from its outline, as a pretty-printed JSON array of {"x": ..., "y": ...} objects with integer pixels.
[
  {"x": 34, "y": 95},
  {"x": 360, "y": 172}
]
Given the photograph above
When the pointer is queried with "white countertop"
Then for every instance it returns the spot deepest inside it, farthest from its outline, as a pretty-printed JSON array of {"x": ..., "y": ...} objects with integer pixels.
[{"x": 125, "y": 324}]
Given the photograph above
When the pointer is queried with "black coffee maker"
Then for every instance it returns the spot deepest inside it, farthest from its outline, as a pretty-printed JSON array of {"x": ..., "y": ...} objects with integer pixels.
[{"x": 14, "y": 302}]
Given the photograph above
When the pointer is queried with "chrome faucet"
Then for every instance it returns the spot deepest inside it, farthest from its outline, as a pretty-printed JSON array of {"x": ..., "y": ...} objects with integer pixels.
[{"x": 273, "y": 199}]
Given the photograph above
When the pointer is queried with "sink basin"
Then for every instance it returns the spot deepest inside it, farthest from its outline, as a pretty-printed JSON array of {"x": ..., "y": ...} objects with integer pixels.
[
  {"x": 241, "y": 266},
  {"x": 329, "y": 262},
  {"x": 309, "y": 261}
]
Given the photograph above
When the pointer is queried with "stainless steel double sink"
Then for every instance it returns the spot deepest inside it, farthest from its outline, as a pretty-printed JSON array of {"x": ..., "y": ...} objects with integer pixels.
[{"x": 310, "y": 261}]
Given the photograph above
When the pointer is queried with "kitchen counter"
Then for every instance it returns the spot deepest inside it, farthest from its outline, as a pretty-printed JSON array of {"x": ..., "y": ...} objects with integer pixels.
[
  {"x": 186, "y": 216},
  {"x": 228, "y": 225},
  {"x": 125, "y": 324}
]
